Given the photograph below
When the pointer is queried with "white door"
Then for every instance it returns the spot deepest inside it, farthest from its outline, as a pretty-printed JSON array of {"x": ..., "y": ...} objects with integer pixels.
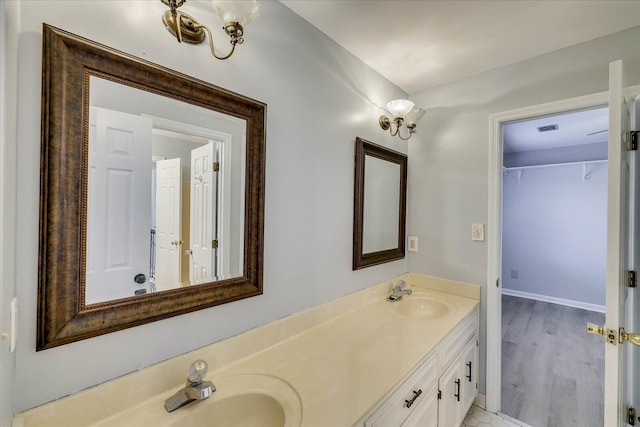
[
  {"x": 618, "y": 389},
  {"x": 119, "y": 205},
  {"x": 168, "y": 223},
  {"x": 203, "y": 236},
  {"x": 633, "y": 297}
]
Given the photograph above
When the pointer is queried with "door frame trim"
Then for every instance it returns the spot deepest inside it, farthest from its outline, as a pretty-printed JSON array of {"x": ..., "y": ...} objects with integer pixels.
[{"x": 494, "y": 227}]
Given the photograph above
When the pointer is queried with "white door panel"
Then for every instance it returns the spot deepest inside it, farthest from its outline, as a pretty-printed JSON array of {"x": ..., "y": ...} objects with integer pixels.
[
  {"x": 168, "y": 223},
  {"x": 203, "y": 214},
  {"x": 632, "y": 304},
  {"x": 620, "y": 249},
  {"x": 118, "y": 220}
]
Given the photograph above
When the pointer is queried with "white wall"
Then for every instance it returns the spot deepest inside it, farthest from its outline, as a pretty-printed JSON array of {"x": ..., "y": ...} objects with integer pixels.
[
  {"x": 8, "y": 102},
  {"x": 555, "y": 232},
  {"x": 319, "y": 99},
  {"x": 449, "y": 157}
]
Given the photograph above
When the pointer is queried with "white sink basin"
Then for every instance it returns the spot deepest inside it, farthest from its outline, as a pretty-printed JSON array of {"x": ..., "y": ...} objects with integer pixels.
[
  {"x": 242, "y": 400},
  {"x": 423, "y": 307},
  {"x": 240, "y": 410}
]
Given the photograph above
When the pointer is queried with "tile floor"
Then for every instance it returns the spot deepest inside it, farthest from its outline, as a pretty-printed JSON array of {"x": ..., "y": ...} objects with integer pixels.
[{"x": 478, "y": 417}]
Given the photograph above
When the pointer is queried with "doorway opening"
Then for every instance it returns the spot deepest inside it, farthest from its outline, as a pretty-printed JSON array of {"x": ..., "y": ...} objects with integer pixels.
[
  {"x": 494, "y": 227},
  {"x": 554, "y": 230}
]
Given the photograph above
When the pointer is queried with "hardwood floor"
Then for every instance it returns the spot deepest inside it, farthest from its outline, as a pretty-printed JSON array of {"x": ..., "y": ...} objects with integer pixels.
[{"x": 552, "y": 370}]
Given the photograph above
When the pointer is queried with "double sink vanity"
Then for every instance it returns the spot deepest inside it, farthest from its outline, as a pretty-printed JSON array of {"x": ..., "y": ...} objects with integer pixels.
[{"x": 358, "y": 360}]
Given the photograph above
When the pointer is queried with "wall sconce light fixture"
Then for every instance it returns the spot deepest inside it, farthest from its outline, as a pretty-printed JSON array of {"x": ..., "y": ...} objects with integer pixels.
[
  {"x": 403, "y": 112},
  {"x": 236, "y": 14}
]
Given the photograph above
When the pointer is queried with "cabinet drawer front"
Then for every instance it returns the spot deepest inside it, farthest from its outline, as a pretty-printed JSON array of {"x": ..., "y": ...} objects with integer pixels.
[
  {"x": 393, "y": 411},
  {"x": 455, "y": 341}
]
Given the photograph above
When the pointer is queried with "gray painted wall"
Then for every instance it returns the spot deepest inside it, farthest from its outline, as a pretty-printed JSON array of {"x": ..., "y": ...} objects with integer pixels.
[
  {"x": 554, "y": 234},
  {"x": 8, "y": 103},
  {"x": 319, "y": 99},
  {"x": 449, "y": 157}
]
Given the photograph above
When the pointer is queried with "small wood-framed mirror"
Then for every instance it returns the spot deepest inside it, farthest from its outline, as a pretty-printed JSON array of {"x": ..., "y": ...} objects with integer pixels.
[
  {"x": 380, "y": 195},
  {"x": 109, "y": 121}
]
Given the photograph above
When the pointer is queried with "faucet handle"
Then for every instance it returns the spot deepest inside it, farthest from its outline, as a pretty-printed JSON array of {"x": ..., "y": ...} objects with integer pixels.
[
  {"x": 401, "y": 285},
  {"x": 197, "y": 371}
]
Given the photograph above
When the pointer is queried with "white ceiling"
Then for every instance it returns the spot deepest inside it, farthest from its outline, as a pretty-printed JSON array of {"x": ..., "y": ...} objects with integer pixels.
[
  {"x": 573, "y": 129},
  {"x": 418, "y": 44}
]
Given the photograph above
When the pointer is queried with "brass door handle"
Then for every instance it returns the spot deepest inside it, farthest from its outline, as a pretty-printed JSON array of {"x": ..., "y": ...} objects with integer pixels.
[
  {"x": 630, "y": 337},
  {"x": 176, "y": 242}
]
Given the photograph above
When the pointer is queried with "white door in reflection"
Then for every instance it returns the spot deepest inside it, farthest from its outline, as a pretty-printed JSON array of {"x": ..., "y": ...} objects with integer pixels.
[
  {"x": 118, "y": 220},
  {"x": 204, "y": 205},
  {"x": 168, "y": 223}
]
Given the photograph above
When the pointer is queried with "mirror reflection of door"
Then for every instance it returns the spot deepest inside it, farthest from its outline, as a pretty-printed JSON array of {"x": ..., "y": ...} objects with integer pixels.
[
  {"x": 117, "y": 222},
  {"x": 204, "y": 221},
  {"x": 159, "y": 216},
  {"x": 168, "y": 232}
]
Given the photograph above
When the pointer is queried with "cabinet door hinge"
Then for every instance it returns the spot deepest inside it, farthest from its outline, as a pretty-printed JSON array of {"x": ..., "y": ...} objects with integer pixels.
[
  {"x": 632, "y": 140},
  {"x": 216, "y": 166},
  {"x": 439, "y": 394},
  {"x": 631, "y": 412},
  {"x": 631, "y": 279},
  {"x": 214, "y": 244}
]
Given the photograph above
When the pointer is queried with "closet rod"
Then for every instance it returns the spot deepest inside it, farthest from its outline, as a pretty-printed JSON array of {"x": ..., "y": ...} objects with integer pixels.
[{"x": 585, "y": 162}]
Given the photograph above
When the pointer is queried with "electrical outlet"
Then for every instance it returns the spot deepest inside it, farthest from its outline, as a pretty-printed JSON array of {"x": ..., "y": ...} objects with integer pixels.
[
  {"x": 477, "y": 232},
  {"x": 412, "y": 244}
]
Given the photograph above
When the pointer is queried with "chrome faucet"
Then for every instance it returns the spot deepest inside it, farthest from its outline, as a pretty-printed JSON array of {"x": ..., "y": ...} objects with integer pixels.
[
  {"x": 196, "y": 389},
  {"x": 399, "y": 291}
]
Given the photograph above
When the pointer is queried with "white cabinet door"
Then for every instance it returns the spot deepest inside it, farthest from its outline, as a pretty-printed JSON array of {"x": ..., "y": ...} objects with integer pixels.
[
  {"x": 426, "y": 414},
  {"x": 469, "y": 359},
  {"x": 449, "y": 407},
  {"x": 458, "y": 386}
]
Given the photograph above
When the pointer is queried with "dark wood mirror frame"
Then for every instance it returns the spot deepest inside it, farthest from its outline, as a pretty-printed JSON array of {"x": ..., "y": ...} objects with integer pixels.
[
  {"x": 366, "y": 148},
  {"x": 68, "y": 61}
]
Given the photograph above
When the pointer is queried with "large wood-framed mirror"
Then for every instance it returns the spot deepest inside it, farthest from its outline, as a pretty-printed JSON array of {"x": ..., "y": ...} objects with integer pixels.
[
  {"x": 152, "y": 192},
  {"x": 379, "y": 215}
]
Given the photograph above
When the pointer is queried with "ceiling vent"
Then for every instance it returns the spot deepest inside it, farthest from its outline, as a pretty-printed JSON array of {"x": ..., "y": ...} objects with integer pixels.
[{"x": 547, "y": 128}]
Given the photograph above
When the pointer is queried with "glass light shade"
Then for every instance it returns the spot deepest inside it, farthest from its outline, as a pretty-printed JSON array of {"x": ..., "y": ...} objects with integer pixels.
[
  {"x": 414, "y": 116},
  {"x": 240, "y": 11},
  {"x": 399, "y": 107}
]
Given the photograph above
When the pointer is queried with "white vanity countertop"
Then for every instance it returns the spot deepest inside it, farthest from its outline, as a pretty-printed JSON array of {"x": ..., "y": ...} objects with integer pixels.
[{"x": 341, "y": 366}]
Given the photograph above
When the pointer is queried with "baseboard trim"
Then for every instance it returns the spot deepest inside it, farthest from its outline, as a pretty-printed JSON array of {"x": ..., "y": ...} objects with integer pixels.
[
  {"x": 554, "y": 300},
  {"x": 481, "y": 401}
]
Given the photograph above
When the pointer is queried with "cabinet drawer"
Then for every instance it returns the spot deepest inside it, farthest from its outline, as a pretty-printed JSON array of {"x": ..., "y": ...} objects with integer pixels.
[
  {"x": 455, "y": 341},
  {"x": 394, "y": 410}
]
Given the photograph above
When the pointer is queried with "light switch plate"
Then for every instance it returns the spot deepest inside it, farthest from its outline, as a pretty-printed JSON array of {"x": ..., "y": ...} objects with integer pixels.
[
  {"x": 477, "y": 232},
  {"x": 14, "y": 325},
  {"x": 412, "y": 244}
]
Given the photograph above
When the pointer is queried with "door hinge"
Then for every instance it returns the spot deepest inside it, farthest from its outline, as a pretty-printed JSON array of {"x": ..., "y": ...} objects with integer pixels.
[
  {"x": 632, "y": 140},
  {"x": 216, "y": 166},
  {"x": 214, "y": 244},
  {"x": 631, "y": 412},
  {"x": 439, "y": 394},
  {"x": 497, "y": 282},
  {"x": 631, "y": 279}
]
